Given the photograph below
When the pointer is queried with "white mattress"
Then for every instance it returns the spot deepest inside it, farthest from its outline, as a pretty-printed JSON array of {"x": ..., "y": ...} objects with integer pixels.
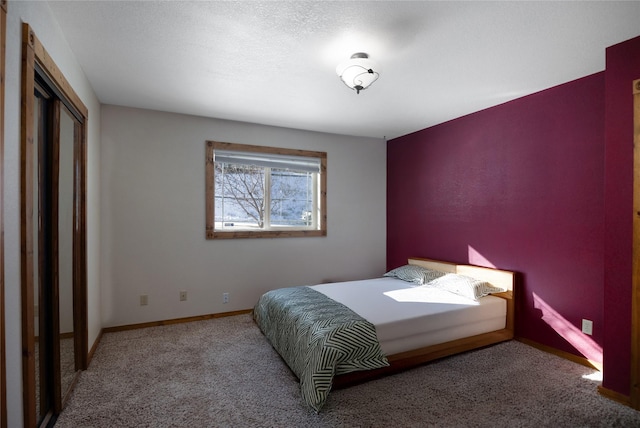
[{"x": 409, "y": 317}]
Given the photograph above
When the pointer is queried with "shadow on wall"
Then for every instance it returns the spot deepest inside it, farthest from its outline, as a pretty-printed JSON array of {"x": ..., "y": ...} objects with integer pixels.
[{"x": 574, "y": 336}]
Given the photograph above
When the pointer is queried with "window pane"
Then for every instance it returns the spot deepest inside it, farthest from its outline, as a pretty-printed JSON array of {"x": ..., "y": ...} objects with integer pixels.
[
  {"x": 239, "y": 196},
  {"x": 291, "y": 198}
]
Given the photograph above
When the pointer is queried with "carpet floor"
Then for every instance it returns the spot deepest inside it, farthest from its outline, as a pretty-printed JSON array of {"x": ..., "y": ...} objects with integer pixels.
[{"x": 223, "y": 373}]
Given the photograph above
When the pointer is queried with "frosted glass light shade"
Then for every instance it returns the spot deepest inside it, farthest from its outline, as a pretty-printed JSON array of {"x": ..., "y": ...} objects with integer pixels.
[{"x": 358, "y": 72}]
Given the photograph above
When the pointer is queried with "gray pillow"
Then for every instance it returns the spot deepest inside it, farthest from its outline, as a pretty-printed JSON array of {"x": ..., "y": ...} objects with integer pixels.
[{"x": 415, "y": 274}]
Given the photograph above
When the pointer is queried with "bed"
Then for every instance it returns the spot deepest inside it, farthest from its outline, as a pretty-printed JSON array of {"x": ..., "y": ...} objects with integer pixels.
[{"x": 337, "y": 334}]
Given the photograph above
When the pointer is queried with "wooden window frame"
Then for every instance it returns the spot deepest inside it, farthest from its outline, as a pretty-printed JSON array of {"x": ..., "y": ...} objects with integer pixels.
[{"x": 212, "y": 233}]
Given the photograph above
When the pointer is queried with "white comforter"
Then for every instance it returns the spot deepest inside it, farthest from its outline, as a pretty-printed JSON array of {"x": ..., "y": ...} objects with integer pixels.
[{"x": 407, "y": 316}]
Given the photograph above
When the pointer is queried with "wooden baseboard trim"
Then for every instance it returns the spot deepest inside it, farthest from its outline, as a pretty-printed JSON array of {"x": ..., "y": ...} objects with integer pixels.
[
  {"x": 174, "y": 321},
  {"x": 562, "y": 354},
  {"x": 615, "y": 396}
]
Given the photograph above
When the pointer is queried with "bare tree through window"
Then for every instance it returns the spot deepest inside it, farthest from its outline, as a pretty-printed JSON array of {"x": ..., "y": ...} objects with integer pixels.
[{"x": 243, "y": 186}]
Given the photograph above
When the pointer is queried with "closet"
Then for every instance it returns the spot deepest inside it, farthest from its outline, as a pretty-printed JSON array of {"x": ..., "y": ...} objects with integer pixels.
[{"x": 53, "y": 234}]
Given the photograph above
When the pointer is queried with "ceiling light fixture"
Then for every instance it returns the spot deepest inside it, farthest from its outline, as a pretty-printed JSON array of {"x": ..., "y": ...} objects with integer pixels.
[{"x": 358, "y": 72}]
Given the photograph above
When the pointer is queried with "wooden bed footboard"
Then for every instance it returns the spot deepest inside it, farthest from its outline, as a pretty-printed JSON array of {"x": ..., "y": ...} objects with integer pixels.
[{"x": 405, "y": 360}]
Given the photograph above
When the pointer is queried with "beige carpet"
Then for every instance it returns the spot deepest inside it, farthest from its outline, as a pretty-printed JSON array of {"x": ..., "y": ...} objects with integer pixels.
[{"x": 223, "y": 373}]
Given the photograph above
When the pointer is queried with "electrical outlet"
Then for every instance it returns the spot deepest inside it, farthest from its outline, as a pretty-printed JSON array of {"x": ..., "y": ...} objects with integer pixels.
[
  {"x": 225, "y": 297},
  {"x": 144, "y": 300},
  {"x": 183, "y": 295},
  {"x": 587, "y": 327}
]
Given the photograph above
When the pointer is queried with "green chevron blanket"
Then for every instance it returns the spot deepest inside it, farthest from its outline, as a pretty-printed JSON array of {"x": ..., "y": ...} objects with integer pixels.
[{"x": 318, "y": 338}]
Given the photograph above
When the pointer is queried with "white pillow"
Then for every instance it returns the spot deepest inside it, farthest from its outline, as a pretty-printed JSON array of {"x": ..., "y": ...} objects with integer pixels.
[{"x": 468, "y": 287}]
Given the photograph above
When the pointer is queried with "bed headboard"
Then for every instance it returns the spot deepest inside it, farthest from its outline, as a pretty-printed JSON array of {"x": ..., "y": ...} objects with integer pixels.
[{"x": 500, "y": 278}]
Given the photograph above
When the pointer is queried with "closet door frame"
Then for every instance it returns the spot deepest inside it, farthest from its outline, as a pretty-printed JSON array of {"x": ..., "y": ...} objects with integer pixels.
[{"x": 35, "y": 57}]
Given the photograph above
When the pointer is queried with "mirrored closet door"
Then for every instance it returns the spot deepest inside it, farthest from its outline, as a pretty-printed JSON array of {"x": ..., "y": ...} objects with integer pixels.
[{"x": 68, "y": 135}]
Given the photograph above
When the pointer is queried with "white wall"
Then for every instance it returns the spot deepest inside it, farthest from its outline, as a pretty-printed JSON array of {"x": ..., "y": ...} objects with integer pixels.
[
  {"x": 39, "y": 16},
  {"x": 153, "y": 218}
]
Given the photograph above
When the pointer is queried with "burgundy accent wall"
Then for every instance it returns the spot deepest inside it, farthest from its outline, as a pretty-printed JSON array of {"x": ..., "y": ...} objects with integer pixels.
[
  {"x": 519, "y": 186},
  {"x": 623, "y": 66}
]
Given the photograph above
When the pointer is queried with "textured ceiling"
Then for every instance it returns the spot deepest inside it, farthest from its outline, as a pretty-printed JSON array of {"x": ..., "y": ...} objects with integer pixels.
[{"x": 274, "y": 62}]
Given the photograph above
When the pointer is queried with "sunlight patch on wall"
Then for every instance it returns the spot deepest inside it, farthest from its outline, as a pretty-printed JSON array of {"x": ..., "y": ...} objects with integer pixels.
[
  {"x": 475, "y": 258},
  {"x": 572, "y": 334}
]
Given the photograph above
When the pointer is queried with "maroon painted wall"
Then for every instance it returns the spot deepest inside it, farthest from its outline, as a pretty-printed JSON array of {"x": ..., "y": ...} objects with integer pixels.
[
  {"x": 623, "y": 66},
  {"x": 519, "y": 186}
]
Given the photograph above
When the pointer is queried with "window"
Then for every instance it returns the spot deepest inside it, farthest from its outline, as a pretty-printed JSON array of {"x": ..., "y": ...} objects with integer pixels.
[{"x": 264, "y": 192}]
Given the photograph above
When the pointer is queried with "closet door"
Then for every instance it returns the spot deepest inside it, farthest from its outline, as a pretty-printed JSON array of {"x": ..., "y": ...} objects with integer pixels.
[
  {"x": 65, "y": 140},
  {"x": 42, "y": 264}
]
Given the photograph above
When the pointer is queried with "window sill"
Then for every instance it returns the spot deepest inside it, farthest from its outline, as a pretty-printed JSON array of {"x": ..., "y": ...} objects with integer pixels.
[{"x": 266, "y": 234}]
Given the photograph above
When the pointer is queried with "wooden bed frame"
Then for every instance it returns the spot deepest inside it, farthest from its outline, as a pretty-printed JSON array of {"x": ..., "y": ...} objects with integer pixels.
[{"x": 405, "y": 360}]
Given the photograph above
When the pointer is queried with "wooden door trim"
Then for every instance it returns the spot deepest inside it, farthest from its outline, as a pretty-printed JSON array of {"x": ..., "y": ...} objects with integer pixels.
[
  {"x": 635, "y": 292},
  {"x": 26, "y": 232}
]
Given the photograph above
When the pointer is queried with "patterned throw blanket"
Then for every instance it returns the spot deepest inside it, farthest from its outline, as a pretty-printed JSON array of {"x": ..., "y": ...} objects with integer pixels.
[{"x": 318, "y": 338}]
